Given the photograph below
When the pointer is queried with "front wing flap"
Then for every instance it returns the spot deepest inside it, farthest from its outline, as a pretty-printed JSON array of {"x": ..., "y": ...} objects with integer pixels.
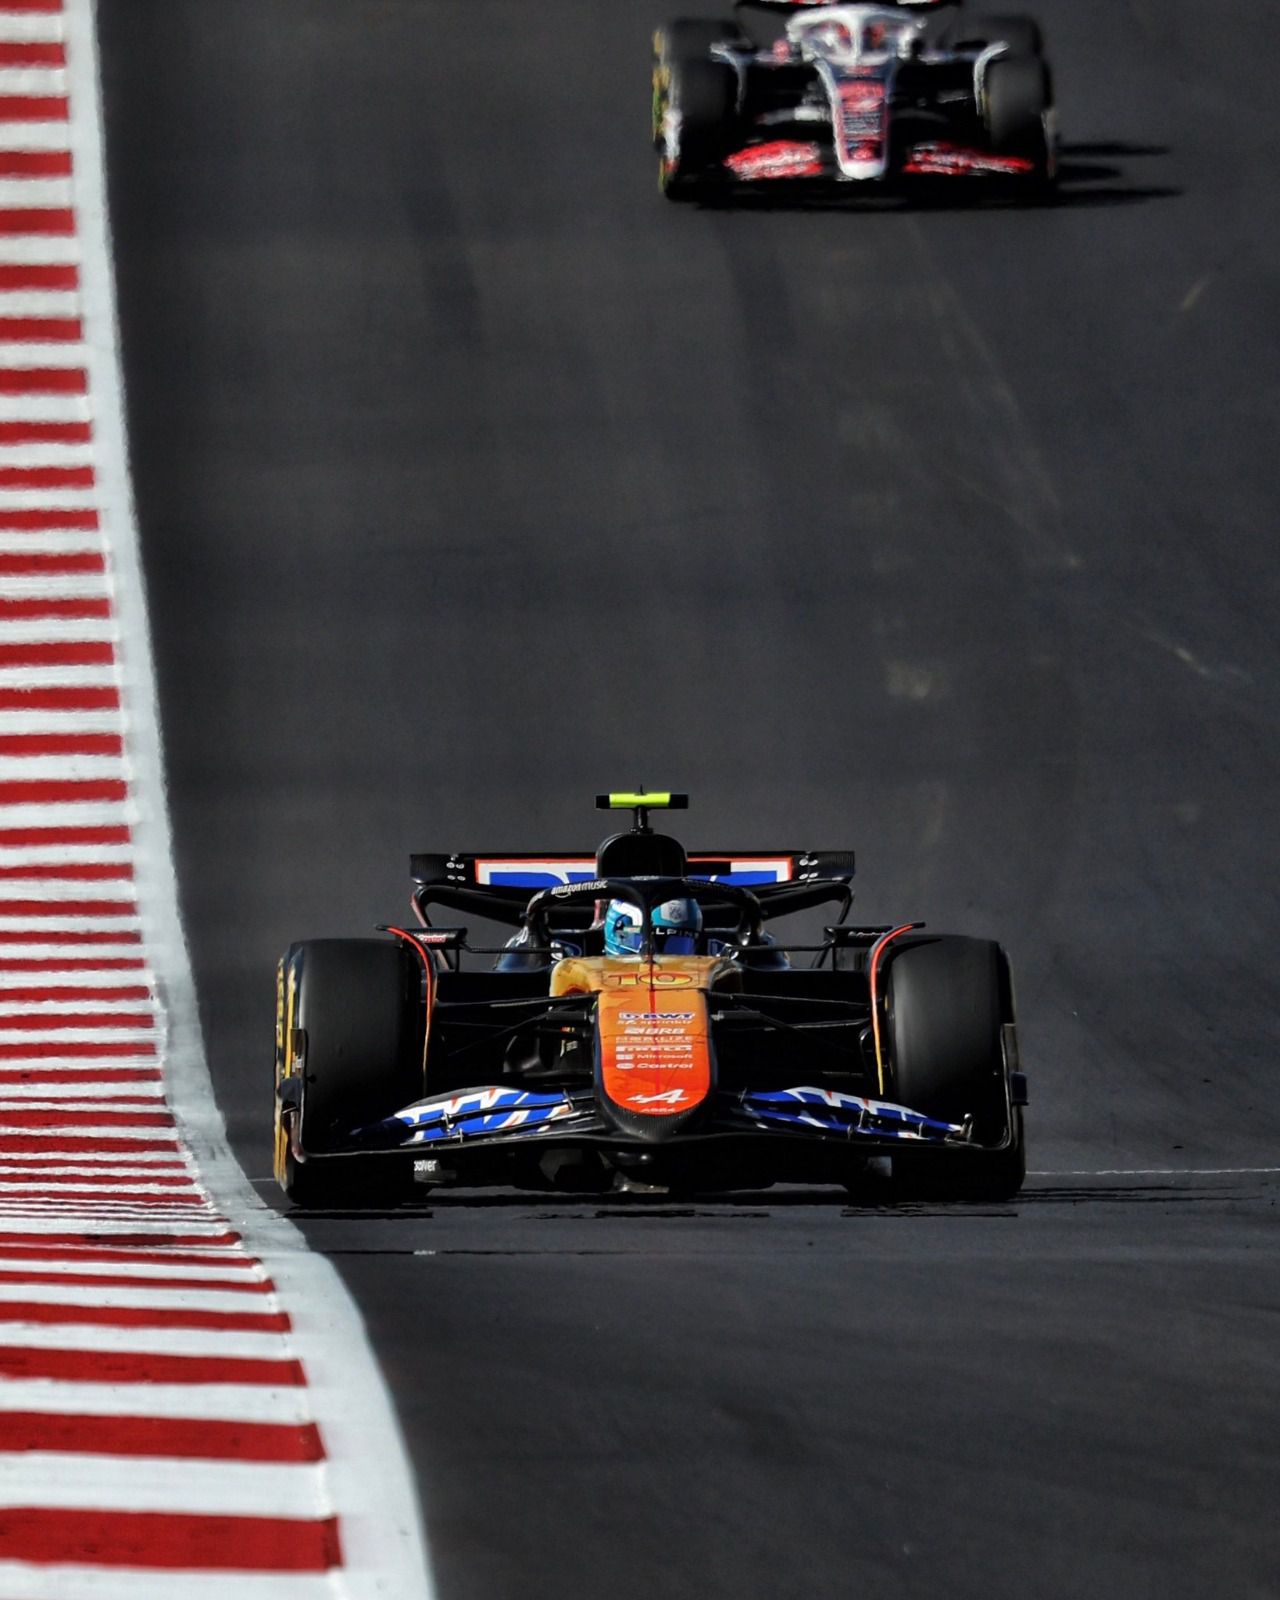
[
  {"x": 483, "y": 1113},
  {"x": 828, "y": 1111},
  {"x": 496, "y": 1114}
]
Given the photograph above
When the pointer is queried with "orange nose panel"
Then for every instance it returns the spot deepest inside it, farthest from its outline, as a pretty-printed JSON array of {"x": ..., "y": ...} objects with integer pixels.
[{"x": 654, "y": 1046}]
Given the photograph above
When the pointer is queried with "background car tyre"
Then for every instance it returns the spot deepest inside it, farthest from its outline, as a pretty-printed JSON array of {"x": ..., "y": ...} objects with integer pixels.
[
  {"x": 946, "y": 1001},
  {"x": 358, "y": 1002},
  {"x": 1018, "y": 112},
  {"x": 694, "y": 104},
  {"x": 1023, "y": 35}
]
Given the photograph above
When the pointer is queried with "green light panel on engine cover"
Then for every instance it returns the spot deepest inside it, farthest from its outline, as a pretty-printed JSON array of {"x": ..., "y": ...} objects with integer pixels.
[{"x": 664, "y": 801}]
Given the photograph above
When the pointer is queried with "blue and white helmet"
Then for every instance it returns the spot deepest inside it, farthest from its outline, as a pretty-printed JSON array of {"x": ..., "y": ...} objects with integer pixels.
[{"x": 676, "y": 925}]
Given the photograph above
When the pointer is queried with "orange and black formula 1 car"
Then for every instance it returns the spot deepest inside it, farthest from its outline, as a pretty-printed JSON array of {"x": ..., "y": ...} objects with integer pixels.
[{"x": 644, "y": 1029}]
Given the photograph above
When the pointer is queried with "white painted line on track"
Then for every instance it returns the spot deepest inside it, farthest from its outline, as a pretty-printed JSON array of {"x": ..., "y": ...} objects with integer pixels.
[
  {"x": 95, "y": 1215},
  {"x": 105, "y": 1228},
  {"x": 57, "y": 955},
  {"x": 92, "y": 675},
  {"x": 49, "y": 859},
  {"x": 39, "y": 303},
  {"x": 1152, "y": 1172},
  {"x": 52, "y": 1094},
  {"x": 55, "y": 890},
  {"x": 57, "y": 585},
  {"x": 113, "y": 1295},
  {"x": 200, "y": 1401},
  {"x": 37, "y": 81},
  {"x": 23, "y": 27},
  {"x": 222, "y": 1291},
  {"x": 40, "y": 353},
  {"x": 84, "y": 500},
  {"x": 144, "y": 1483},
  {"x": 53, "y": 541},
  {"x": 77, "y": 1064},
  {"x": 156, "y": 1341},
  {"x": 39, "y": 921},
  {"x": 24, "y": 192},
  {"x": 128, "y": 1583},
  {"x": 111, "y": 1097},
  {"x": 50, "y": 454},
  {"x": 53, "y": 1027},
  {"x": 51, "y": 135},
  {"x": 80, "y": 978},
  {"x": 11, "y": 1189},
  {"x": 51, "y": 249},
  {"x": 44, "y": 407},
  {"x": 55, "y": 630}
]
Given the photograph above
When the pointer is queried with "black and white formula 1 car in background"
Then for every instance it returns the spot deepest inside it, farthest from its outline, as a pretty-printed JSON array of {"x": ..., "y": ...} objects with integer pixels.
[
  {"x": 853, "y": 96},
  {"x": 643, "y": 1028}
]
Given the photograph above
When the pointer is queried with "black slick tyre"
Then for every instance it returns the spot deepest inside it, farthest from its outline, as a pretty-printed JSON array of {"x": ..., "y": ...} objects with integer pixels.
[
  {"x": 354, "y": 1008},
  {"x": 694, "y": 105},
  {"x": 1018, "y": 114},
  {"x": 946, "y": 1002},
  {"x": 1022, "y": 35}
]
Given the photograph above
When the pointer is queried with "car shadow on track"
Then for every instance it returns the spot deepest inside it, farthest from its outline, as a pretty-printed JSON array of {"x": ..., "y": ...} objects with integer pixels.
[
  {"x": 761, "y": 1204},
  {"x": 1113, "y": 148}
]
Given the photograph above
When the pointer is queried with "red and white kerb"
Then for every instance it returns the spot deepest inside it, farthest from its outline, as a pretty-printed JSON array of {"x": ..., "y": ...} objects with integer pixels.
[{"x": 156, "y": 1435}]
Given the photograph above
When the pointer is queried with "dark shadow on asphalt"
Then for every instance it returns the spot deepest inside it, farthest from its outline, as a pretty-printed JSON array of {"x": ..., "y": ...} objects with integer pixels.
[
  {"x": 1114, "y": 147},
  {"x": 753, "y": 1206},
  {"x": 1066, "y": 197}
]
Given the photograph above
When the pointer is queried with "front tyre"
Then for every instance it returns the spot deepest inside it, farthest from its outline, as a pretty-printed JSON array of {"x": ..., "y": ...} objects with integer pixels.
[
  {"x": 1020, "y": 35},
  {"x": 1020, "y": 118},
  {"x": 349, "y": 1021},
  {"x": 947, "y": 1002},
  {"x": 694, "y": 106}
]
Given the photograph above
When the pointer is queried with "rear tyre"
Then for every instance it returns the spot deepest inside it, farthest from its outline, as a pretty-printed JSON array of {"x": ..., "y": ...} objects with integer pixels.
[
  {"x": 946, "y": 1001},
  {"x": 694, "y": 105},
  {"x": 1018, "y": 113},
  {"x": 358, "y": 1005}
]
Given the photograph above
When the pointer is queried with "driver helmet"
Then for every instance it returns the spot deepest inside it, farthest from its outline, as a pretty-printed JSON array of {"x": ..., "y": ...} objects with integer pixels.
[{"x": 676, "y": 925}]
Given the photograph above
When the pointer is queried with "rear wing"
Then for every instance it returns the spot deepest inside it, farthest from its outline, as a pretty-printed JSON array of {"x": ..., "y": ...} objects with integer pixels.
[{"x": 526, "y": 872}]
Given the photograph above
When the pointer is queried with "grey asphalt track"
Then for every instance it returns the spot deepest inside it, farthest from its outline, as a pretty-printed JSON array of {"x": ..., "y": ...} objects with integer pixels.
[{"x": 474, "y": 477}]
